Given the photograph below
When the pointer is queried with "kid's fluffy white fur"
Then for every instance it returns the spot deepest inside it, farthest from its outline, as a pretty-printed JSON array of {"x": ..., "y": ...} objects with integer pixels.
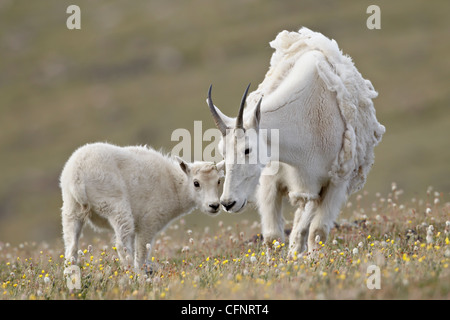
[{"x": 135, "y": 191}]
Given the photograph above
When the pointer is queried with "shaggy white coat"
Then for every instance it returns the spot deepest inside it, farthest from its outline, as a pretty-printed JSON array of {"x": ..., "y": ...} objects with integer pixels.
[{"x": 322, "y": 106}]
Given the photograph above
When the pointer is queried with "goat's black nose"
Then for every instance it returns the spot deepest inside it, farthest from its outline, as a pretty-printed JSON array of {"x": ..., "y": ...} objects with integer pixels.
[
  {"x": 214, "y": 206},
  {"x": 228, "y": 204}
]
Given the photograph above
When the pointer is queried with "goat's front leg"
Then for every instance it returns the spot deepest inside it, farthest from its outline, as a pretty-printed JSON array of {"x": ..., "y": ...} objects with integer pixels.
[
  {"x": 144, "y": 243},
  {"x": 269, "y": 199},
  {"x": 123, "y": 224},
  {"x": 299, "y": 234}
]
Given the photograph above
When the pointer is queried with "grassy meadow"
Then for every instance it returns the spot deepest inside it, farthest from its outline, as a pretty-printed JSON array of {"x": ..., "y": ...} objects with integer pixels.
[
  {"x": 408, "y": 240},
  {"x": 136, "y": 72}
]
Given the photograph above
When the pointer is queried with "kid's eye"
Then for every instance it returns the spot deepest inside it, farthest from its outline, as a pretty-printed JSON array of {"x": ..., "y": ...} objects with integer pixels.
[
  {"x": 196, "y": 184},
  {"x": 218, "y": 182},
  {"x": 247, "y": 151}
]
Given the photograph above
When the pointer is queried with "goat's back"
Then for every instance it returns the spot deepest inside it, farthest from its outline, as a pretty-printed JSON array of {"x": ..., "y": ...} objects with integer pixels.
[{"x": 103, "y": 173}]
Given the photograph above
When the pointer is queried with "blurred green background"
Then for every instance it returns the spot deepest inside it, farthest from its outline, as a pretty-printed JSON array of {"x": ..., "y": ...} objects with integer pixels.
[{"x": 137, "y": 70}]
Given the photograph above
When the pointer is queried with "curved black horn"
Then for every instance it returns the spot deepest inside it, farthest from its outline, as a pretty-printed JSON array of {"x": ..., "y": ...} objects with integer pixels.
[
  {"x": 217, "y": 119},
  {"x": 239, "y": 119}
]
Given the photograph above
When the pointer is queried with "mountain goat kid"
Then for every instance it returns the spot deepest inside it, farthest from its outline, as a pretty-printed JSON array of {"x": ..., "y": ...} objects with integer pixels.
[{"x": 135, "y": 191}]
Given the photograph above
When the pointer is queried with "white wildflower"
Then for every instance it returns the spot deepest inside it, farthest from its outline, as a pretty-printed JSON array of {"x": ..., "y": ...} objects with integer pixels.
[
  {"x": 447, "y": 253},
  {"x": 393, "y": 186},
  {"x": 317, "y": 239},
  {"x": 429, "y": 237}
]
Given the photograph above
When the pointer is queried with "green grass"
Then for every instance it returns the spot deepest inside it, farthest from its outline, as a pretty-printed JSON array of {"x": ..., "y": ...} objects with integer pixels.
[{"x": 225, "y": 261}]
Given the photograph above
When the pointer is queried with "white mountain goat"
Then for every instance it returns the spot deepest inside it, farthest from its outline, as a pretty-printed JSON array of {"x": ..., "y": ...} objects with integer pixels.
[
  {"x": 323, "y": 111},
  {"x": 135, "y": 191}
]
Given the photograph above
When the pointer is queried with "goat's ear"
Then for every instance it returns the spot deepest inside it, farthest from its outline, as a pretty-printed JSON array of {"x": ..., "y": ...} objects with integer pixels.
[
  {"x": 183, "y": 165},
  {"x": 257, "y": 115},
  {"x": 221, "y": 168}
]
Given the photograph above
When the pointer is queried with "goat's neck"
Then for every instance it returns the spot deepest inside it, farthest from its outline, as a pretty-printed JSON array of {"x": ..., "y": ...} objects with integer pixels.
[
  {"x": 281, "y": 146},
  {"x": 183, "y": 196}
]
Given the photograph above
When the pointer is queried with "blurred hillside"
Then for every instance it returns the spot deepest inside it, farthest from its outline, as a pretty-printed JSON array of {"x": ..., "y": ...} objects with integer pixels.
[{"x": 138, "y": 70}]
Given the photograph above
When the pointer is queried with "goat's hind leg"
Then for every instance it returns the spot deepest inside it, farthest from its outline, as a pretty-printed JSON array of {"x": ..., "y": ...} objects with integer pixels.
[
  {"x": 72, "y": 224},
  {"x": 326, "y": 213}
]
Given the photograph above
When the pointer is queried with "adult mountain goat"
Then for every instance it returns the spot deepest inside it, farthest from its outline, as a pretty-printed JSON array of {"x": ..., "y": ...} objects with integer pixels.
[
  {"x": 136, "y": 191},
  {"x": 322, "y": 110}
]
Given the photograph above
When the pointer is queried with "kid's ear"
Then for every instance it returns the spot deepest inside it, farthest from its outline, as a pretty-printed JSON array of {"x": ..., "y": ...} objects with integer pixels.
[
  {"x": 183, "y": 165},
  {"x": 220, "y": 165}
]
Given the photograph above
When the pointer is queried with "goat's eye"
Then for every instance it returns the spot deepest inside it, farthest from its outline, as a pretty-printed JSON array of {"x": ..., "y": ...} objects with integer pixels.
[
  {"x": 196, "y": 184},
  {"x": 218, "y": 182},
  {"x": 247, "y": 151}
]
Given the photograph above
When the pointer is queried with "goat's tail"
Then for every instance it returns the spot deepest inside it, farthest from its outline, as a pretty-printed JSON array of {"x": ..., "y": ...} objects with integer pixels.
[{"x": 75, "y": 200}]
